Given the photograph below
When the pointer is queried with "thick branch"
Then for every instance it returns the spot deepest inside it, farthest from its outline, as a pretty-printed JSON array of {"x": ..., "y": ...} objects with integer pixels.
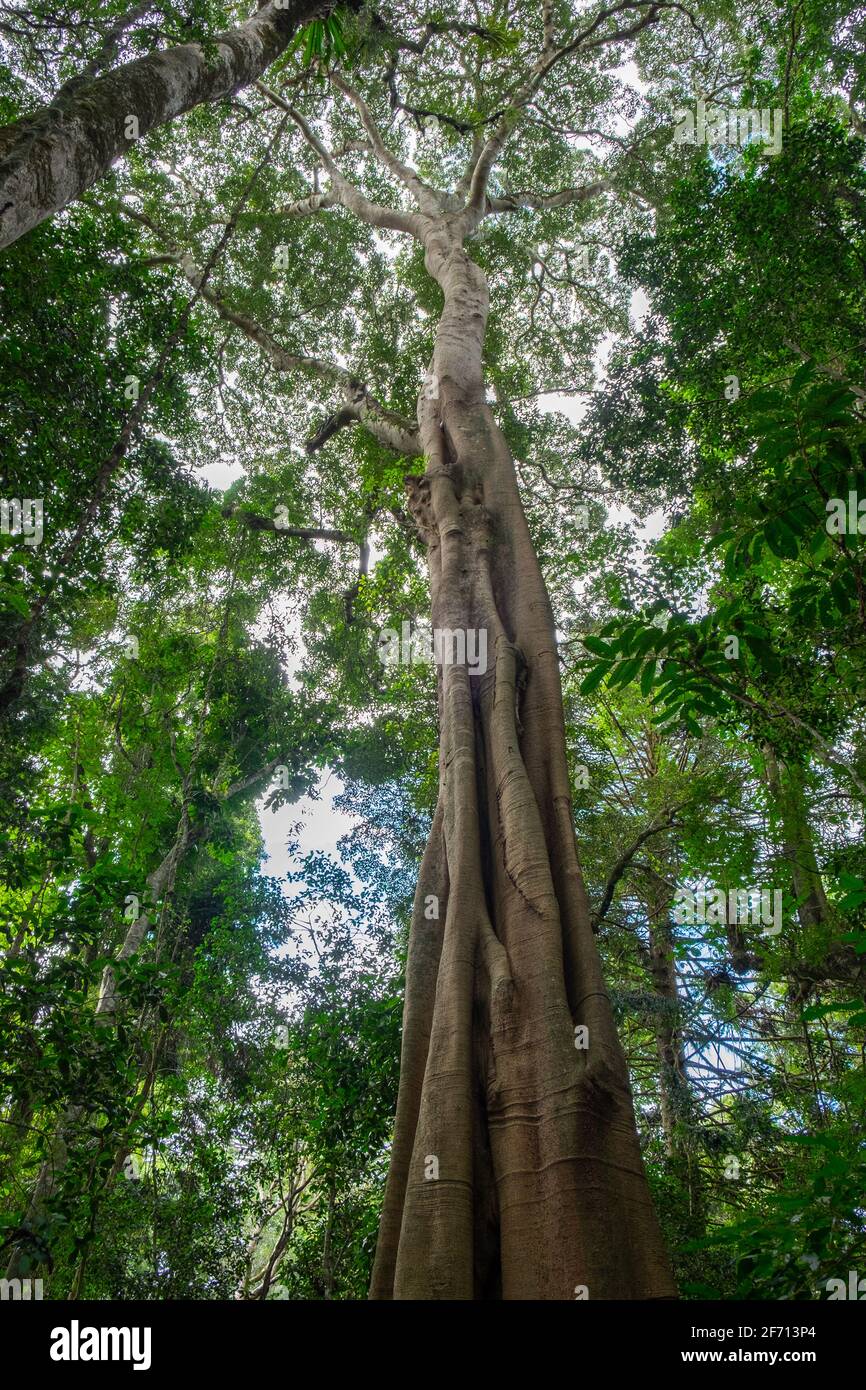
[
  {"x": 345, "y": 192},
  {"x": 391, "y": 429},
  {"x": 48, "y": 159},
  {"x": 537, "y": 202},
  {"x": 256, "y": 522},
  {"x": 427, "y": 198}
]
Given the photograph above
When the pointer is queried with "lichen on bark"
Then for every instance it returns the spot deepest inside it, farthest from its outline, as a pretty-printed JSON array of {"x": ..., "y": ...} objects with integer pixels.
[{"x": 49, "y": 158}]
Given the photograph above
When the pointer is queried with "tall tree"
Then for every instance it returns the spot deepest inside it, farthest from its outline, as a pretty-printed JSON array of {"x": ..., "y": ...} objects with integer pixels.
[
  {"x": 514, "y": 1112},
  {"x": 358, "y": 286}
]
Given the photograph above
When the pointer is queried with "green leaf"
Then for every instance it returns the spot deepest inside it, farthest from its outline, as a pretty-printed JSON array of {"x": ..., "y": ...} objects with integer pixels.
[
  {"x": 625, "y": 672},
  {"x": 781, "y": 539},
  {"x": 802, "y": 375},
  {"x": 597, "y": 647},
  {"x": 594, "y": 679}
]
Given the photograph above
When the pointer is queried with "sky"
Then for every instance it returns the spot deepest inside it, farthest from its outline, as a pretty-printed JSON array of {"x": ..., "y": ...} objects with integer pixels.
[{"x": 322, "y": 826}]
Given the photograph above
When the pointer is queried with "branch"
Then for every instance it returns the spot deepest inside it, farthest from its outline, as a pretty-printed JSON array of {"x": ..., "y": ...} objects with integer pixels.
[
  {"x": 537, "y": 202},
  {"x": 244, "y": 783},
  {"x": 391, "y": 429},
  {"x": 434, "y": 28},
  {"x": 394, "y": 431},
  {"x": 49, "y": 158},
  {"x": 353, "y": 591},
  {"x": 255, "y": 522},
  {"x": 827, "y": 368},
  {"x": 419, "y": 114},
  {"x": 774, "y": 710},
  {"x": 547, "y": 22},
  {"x": 465, "y": 181},
  {"x": 427, "y": 198},
  {"x": 584, "y": 41},
  {"x": 664, "y": 823},
  {"x": 349, "y": 197},
  {"x": 399, "y": 43},
  {"x": 105, "y": 55}
]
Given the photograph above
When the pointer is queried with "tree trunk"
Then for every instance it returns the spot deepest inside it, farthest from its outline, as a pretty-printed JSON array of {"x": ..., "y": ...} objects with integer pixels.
[
  {"x": 327, "y": 1248},
  {"x": 790, "y": 822},
  {"x": 515, "y": 1169},
  {"x": 792, "y": 832},
  {"x": 676, "y": 1098},
  {"x": 674, "y": 1093},
  {"x": 48, "y": 159}
]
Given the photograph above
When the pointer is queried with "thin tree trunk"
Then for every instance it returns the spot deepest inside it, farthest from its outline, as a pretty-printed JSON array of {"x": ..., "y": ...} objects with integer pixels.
[
  {"x": 327, "y": 1248},
  {"x": 676, "y": 1098},
  {"x": 49, "y": 158},
  {"x": 674, "y": 1094},
  {"x": 790, "y": 822},
  {"x": 515, "y": 1170}
]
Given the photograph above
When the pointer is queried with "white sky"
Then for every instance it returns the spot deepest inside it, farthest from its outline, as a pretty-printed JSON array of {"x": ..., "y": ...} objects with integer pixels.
[{"x": 323, "y": 826}]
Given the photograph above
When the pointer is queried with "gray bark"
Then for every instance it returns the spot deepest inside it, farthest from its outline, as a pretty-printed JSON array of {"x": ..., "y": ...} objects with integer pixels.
[{"x": 49, "y": 158}]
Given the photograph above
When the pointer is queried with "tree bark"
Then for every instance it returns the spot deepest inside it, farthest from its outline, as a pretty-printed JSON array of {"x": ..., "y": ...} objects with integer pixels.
[
  {"x": 791, "y": 826},
  {"x": 674, "y": 1094},
  {"x": 49, "y": 158},
  {"x": 676, "y": 1097},
  {"x": 515, "y": 1169}
]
